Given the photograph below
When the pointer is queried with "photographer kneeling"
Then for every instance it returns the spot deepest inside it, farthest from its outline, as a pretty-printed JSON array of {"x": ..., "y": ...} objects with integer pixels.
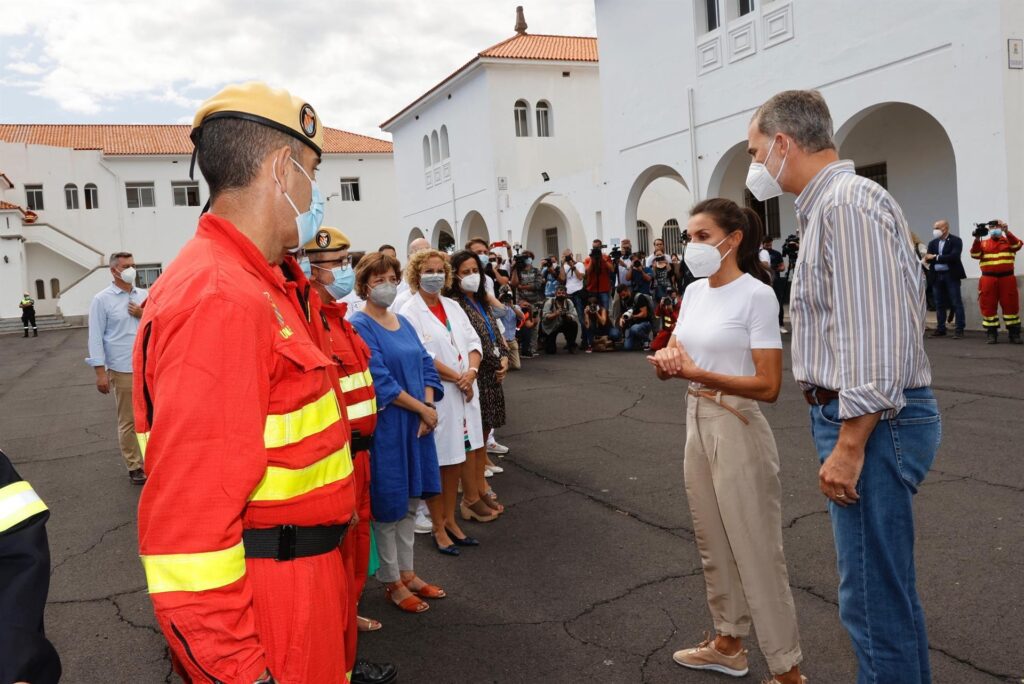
[
  {"x": 636, "y": 318},
  {"x": 559, "y": 317},
  {"x": 596, "y": 326}
]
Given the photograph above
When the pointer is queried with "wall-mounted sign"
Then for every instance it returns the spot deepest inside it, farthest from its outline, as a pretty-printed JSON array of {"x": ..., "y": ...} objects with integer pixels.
[{"x": 1015, "y": 52}]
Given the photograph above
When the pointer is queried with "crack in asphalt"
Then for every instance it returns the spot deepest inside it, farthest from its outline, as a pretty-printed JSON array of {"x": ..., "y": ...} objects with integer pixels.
[
  {"x": 958, "y": 477},
  {"x": 93, "y": 546},
  {"x": 794, "y": 521},
  {"x": 43, "y": 358}
]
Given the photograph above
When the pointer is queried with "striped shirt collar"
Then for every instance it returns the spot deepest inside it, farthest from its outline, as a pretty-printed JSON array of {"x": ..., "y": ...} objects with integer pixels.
[{"x": 808, "y": 198}]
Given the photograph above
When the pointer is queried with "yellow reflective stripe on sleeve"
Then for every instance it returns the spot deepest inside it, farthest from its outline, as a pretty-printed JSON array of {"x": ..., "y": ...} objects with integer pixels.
[
  {"x": 194, "y": 571},
  {"x": 18, "y": 503},
  {"x": 362, "y": 409},
  {"x": 356, "y": 381},
  {"x": 997, "y": 263},
  {"x": 292, "y": 428},
  {"x": 143, "y": 438},
  {"x": 279, "y": 483}
]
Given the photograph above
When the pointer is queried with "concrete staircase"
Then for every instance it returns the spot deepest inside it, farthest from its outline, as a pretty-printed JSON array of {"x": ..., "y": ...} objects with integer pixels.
[{"x": 11, "y": 326}]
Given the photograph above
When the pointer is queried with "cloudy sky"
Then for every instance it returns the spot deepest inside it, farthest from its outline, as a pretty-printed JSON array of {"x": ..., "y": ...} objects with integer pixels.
[{"x": 357, "y": 62}]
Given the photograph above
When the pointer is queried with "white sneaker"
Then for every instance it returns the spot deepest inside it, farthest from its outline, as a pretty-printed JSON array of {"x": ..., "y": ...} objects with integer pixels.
[
  {"x": 783, "y": 330},
  {"x": 423, "y": 523},
  {"x": 494, "y": 469},
  {"x": 488, "y": 472},
  {"x": 495, "y": 448}
]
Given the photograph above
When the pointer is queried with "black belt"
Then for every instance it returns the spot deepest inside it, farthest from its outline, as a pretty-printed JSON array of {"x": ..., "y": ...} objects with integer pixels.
[
  {"x": 360, "y": 443},
  {"x": 287, "y": 542},
  {"x": 819, "y": 396},
  {"x": 998, "y": 275}
]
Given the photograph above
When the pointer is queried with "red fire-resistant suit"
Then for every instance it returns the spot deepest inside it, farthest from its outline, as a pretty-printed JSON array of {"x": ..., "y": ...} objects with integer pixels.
[
  {"x": 238, "y": 412},
  {"x": 997, "y": 287},
  {"x": 353, "y": 359}
]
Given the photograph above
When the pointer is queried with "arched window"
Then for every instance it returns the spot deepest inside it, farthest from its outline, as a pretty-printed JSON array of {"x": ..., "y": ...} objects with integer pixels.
[
  {"x": 92, "y": 196},
  {"x": 54, "y": 288},
  {"x": 543, "y": 119},
  {"x": 671, "y": 236},
  {"x": 522, "y": 114},
  {"x": 444, "y": 142},
  {"x": 435, "y": 148},
  {"x": 71, "y": 196},
  {"x": 40, "y": 290},
  {"x": 643, "y": 237},
  {"x": 426, "y": 152}
]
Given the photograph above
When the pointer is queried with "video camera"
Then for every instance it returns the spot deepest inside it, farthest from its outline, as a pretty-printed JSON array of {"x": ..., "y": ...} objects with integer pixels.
[
  {"x": 791, "y": 246},
  {"x": 616, "y": 253},
  {"x": 981, "y": 229}
]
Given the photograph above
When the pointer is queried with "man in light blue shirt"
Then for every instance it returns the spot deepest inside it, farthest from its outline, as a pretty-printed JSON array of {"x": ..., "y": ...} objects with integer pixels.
[{"x": 113, "y": 322}]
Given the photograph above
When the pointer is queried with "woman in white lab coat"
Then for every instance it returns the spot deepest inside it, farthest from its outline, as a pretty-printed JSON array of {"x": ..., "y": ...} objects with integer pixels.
[{"x": 446, "y": 333}]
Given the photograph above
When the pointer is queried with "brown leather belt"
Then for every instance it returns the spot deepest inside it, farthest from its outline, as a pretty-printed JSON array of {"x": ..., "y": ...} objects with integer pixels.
[
  {"x": 819, "y": 396},
  {"x": 716, "y": 397}
]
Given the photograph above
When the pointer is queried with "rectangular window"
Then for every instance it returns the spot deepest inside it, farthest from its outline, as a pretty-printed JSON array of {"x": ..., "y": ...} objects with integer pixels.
[
  {"x": 711, "y": 9},
  {"x": 140, "y": 195},
  {"x": 543, "y": 122},
  {"x": 34, "y": 197},
  {"x": 767, "y": 211},
  {"x": 146, "y": 274},
  {"x": 349, "y": 189},
  {"x": 746, "y": 7},
  {"x": 186, "y": 193},
  {"x": 876, "y": 172},
  {"x": 71, "y": 197},
  {"x": 551, "y": 241},
  {"x": 92, "y": 197}
]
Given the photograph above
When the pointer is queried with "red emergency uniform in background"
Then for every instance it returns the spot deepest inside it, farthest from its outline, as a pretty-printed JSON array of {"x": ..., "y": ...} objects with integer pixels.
[
  {"x": 353, "y": 359},
  {"x": 242, "y": 428},
  {"x": 997, "y": 286}
]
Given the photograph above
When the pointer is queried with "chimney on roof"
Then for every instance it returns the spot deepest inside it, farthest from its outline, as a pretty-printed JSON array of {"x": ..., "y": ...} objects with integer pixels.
[{"x": 520, "y": 21}]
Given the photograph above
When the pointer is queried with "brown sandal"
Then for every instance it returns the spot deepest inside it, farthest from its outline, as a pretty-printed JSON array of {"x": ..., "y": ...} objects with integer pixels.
[
  {"x": 478, "y": 511},
  {"x": 410, "y": 604},
  {"x": 491, "y": 499},
  {"x": 428, "y": 591}
]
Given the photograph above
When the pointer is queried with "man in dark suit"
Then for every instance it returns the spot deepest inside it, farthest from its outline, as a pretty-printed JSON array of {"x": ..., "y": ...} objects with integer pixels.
[{"x": 944, "y": 259}]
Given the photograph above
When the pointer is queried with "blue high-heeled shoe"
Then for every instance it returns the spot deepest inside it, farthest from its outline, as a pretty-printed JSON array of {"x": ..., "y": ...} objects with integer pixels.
[
  {"x": 446, "y": 550},
  {"x": 465, "y": 541}
]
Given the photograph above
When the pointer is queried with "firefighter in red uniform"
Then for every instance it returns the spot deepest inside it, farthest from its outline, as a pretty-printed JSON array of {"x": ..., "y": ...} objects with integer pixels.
[
  {"x": 998, "y": 285},
  {"x": 239, "y": 415},
  {"x": 326, "y": 264}
]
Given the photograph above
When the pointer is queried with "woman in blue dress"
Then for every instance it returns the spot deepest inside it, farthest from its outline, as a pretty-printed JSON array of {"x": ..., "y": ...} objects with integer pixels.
[{"x": 403, "y": 460}]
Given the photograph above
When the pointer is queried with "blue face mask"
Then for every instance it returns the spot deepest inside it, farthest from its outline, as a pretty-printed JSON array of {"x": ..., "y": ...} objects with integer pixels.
[
  {"x": 995, "y": 233},
  {"x": 344, "y": 281},
  {"x": 306, "y": 268},
  {"x": 307, "y": 222},
  {"x": 529, "y": 261}
]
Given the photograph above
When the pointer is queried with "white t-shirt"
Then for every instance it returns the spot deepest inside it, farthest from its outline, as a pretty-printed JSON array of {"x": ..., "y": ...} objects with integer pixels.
[
  {"x": 719, "y": 326},
  {"x": 574, "y": 284}
]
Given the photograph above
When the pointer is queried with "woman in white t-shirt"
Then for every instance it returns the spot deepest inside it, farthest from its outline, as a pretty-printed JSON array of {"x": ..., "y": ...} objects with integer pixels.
[{"x": 727, "y": 345}]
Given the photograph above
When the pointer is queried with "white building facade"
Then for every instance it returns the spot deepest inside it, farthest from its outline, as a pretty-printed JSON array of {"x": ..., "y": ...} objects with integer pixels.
[
  {"x": 923, "y": 95},
  {"x": 72, "y": 195}
]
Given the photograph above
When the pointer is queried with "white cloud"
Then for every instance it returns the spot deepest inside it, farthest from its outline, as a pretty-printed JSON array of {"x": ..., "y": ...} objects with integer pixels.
[{"x": 356, "y": 62}]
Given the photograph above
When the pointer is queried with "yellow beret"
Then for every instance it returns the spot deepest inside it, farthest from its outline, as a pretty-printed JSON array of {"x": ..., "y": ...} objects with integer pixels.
[
  {"x": 255, "y": 101},
  {"x": 328, "y": 239}
]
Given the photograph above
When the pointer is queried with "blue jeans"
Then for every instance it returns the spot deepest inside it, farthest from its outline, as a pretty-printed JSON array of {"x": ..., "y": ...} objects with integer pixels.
[
  {"x": 874, "y": 538},
  {"x": 637, "y": 333},
  {"x": 946, "y": 292},
  {"x": 579, "y": 300}
]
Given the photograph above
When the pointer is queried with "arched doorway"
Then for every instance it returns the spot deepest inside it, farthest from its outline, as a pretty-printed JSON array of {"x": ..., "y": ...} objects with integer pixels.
[
  {"x": 473, "y": 226},
  {"x": 729, "y": 180},
  {"x": 442, "y": 236},
  {"x": 414, "y": 234},
  {"x": 906, "y": 150},
  {"x": 553, "y": 225},
  {"x": 658, "y": 195}
]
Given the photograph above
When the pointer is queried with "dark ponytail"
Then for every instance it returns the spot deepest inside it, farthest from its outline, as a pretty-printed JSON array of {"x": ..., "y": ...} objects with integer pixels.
[{"x": 730, "y": 217}]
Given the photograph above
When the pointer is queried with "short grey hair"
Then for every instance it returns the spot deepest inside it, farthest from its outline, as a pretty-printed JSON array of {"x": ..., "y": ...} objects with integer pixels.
[
  {"x": 119, "y": 255},
  {"x": 802, "y": 115}
]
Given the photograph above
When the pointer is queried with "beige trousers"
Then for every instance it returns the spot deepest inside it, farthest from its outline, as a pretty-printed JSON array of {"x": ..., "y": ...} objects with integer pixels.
[
  {"x": 732, "y": 484},
  {"x": 121, "y": 384},
  {"x": 513, "y": 355}
]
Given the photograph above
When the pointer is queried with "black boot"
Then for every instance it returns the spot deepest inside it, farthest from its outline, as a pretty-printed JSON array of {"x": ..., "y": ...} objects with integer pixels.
[
  {"x": 993, "y": 335},
  {"x": 1014, "y": 331},
  {"x": 35, "y": 332},
  {"x": 365, "y": 672},
  {"x": 26, "y": 332}
]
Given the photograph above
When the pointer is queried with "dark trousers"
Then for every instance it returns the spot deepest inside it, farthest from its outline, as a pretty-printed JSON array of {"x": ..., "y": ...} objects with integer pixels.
[
  {"x": 946, "y": 291},
  {"x": 579, "y": 300},
  {"x": 567, "y": 327},
  {"x": 28, "y": 318},
  {"x": 779, "y": 285}
]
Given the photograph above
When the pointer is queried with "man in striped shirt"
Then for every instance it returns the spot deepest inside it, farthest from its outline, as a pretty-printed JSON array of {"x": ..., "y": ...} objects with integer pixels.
[{"x": 858, "y": 309}]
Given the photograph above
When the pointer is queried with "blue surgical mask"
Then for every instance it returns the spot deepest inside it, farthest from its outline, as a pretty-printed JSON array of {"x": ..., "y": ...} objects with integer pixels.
[
  {"x": 995, "y": 233},
  {"x": 344, "y": 281},
  {"x": 306, "y": 268},
  {"x": 307, "y": 222},
  {"x": 529, "y": 261}
]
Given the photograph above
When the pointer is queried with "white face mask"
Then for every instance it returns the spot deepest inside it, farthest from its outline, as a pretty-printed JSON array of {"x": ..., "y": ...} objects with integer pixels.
[
  {"x": 470, "y": 283},
  {"x": 760, "y": 181},
  {"x": 703, "y": 259},
  {"x": 127, "y": 275},
  {"x": 936, "y": 233}
]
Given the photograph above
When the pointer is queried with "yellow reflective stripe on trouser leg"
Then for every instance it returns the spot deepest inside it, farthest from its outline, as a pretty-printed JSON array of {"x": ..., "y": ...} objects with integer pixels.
[
  {"x": 18, "y": 503},
  {"x": 143, "y": 438},
  {"x": 279, "y": 483},
  {"x": 194, "y": 571},
  {"x": 356, "y": 381},
  {"x": 291, "y": 428},
  {"x": 362, "y": 409}
]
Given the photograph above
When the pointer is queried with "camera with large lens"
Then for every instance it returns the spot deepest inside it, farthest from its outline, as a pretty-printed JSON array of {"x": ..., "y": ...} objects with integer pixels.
[
  {"x": 981, "y": 229},
  {"x": 626, "y": 315},
  {"x": 616, "y": 253},
  {"x": 519, "y": 261}
]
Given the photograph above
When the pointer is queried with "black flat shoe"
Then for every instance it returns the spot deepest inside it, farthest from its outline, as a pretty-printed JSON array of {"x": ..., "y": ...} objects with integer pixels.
[
  {"x": 446, "y": 550},
  {"x": 465, "y": 541},
  {"x": 366, "y": 672}
]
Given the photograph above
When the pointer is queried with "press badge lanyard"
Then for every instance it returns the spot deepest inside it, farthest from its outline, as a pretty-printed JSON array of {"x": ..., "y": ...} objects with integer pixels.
[{"x": 487, "y": 322}]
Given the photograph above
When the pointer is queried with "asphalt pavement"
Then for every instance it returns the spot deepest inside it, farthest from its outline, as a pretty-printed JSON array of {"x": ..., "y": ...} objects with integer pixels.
[{"x": 592, "y": 573}]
